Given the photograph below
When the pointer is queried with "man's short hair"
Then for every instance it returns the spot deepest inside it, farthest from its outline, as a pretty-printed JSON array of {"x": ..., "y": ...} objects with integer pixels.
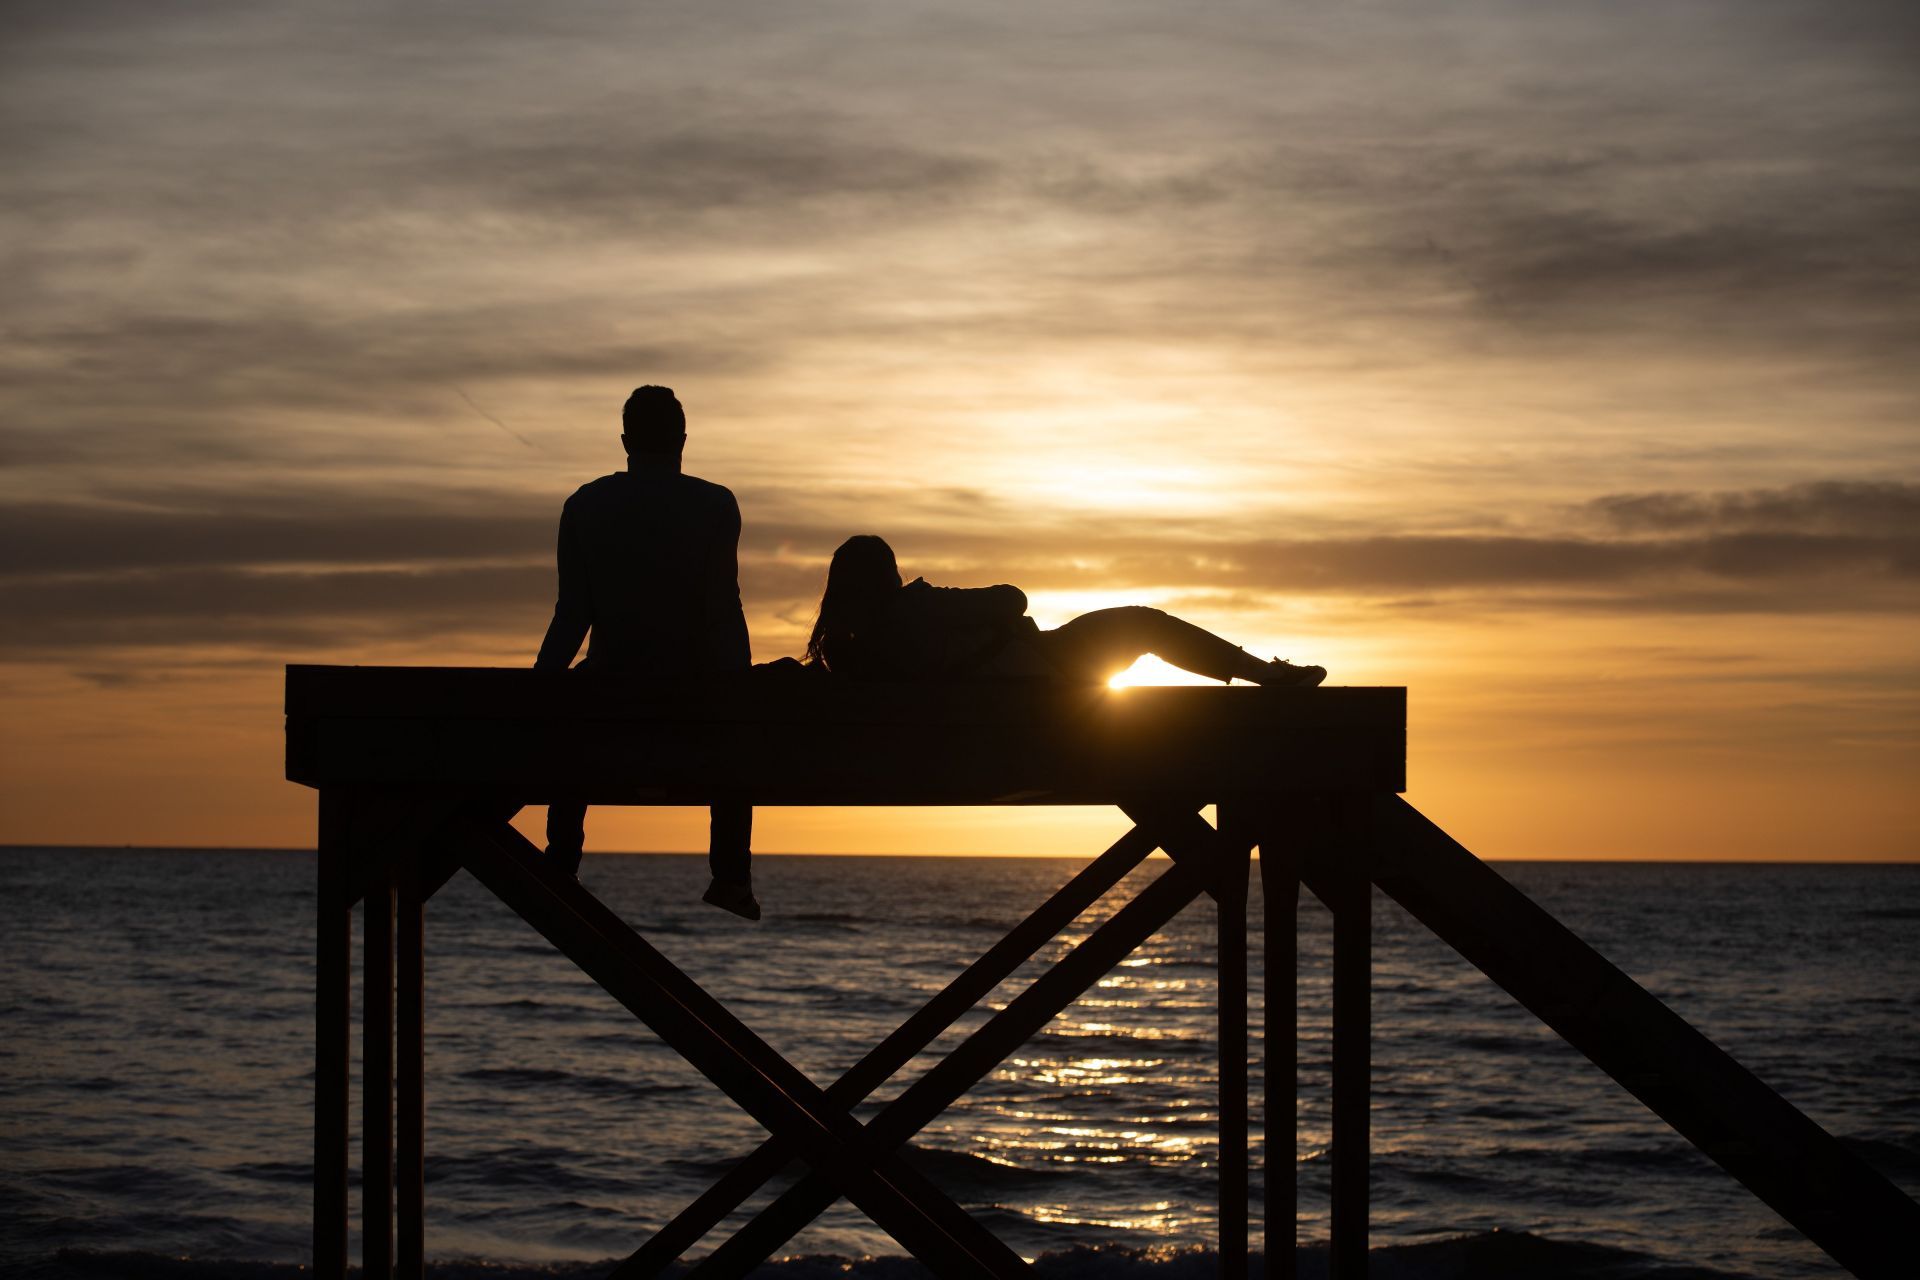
[{"x": 653, "y": 421}]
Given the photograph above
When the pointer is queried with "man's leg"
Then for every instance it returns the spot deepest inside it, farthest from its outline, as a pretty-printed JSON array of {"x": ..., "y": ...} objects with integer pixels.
[
  {"x": 730, "y": 841},
  {"x": 567, "y": 834},
  {"x": 729, "y": 858}
]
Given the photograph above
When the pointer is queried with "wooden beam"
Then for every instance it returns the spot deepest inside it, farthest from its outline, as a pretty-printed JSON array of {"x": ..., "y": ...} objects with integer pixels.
[
  {"x": 1230, "y": 895},
  {"x": 1280, "y": 902},
  {"x": 410, "y": 1096},
  {"x": 535, "y": 735},
  {"x": 376, "y": 1084},
  {"x": 1791, "y": 1163},
  {"x": 880, "y": 1063},
  {"x": 332, "y": 1036},
  {"x": 1352, "y": 903},
  {"x": 524, "y": 694},
  {"x": 778, "y": 1096},
  {"x": 391, "y": 825}
]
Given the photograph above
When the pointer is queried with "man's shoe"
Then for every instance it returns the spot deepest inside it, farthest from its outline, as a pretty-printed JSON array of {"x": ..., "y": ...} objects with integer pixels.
[
  {"x": 1285, "y": 675},
  {"x": 733, "y": 895}
]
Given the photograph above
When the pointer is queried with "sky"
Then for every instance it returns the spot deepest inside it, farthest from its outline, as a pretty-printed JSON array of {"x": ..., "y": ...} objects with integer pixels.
[{"x": 1554, "y": 359}]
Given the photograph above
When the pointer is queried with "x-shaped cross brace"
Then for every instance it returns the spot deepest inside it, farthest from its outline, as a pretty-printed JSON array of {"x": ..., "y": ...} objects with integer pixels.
[{"x": 861, "y": 1163}]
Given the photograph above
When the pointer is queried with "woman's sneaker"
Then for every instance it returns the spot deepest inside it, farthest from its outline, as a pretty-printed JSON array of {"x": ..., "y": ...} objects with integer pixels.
[
  {"x": 733, "y": 895},
  {"x": 1281, "y": 674}
]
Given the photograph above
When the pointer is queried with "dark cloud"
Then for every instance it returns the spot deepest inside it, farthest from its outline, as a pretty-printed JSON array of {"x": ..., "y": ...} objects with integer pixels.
[
  {"x": 1865, "y": 507},
  {"x": 607, "y": 171},
  {"x": 71, "y": 538},
  {"x": 211, "y": 368},
  {"x": 1751, "y": 572},
  {"x": 65, "y": 618},
  {"x": 295, "y": 572}
]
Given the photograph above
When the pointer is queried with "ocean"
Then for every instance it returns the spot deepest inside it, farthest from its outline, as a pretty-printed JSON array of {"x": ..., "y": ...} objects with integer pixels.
[{"x": 156, "y": 1049}]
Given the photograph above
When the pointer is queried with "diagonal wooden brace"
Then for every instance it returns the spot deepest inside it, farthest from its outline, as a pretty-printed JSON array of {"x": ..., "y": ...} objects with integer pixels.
[
  {"x": 920, "y": 1217},
  {"x": 1198, "y": 851},
  {"x": 884, "y": 1059},
  {"x": 1807, "y": 1176}
]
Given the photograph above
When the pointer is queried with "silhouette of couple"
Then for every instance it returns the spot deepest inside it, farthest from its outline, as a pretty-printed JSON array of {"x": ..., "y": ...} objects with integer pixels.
[{"x": 649, "y": 565}]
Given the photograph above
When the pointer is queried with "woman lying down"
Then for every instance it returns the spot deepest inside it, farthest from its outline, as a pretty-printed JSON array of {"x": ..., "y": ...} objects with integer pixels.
[{"x": 872, "y": 625}]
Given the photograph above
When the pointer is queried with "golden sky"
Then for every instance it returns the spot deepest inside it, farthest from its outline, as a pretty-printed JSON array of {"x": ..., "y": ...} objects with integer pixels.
[{"x": 1554, "y": 359}]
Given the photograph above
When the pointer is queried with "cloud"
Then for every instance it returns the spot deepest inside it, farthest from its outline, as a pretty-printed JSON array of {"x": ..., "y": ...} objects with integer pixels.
[
  {"x": 1864, "y": 507},
  {"x": 250, "y": 245},
  {"x": 65, "y": 618},
  {"x": 46, "y": 539},
  {"x": 296, "y": 570},
  {"x": 205, "y": 367}
]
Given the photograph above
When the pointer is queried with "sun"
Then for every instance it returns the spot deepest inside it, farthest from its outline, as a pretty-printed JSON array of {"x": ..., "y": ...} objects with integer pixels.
[{"x": 1150, "y": 670}]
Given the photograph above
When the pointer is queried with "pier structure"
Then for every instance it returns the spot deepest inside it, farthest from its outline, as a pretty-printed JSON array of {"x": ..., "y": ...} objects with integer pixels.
[{"x": 419, "y": 771}]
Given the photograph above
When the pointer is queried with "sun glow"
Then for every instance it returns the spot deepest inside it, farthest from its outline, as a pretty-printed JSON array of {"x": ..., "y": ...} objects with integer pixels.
[{"x": 1151, "y": 670}]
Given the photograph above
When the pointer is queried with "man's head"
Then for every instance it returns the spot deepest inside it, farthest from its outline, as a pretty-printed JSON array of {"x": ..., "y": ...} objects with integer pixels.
[{"x": 653, "y": 424}]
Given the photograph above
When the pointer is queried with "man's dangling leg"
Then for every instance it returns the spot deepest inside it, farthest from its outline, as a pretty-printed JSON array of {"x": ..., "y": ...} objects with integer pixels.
[
  {"x": 730, "y": 859},
  {"x": 566, "y": 834}
]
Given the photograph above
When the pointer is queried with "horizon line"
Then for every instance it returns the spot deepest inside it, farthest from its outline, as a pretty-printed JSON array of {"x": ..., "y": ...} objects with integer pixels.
[{"x": 1909, "y": 860}]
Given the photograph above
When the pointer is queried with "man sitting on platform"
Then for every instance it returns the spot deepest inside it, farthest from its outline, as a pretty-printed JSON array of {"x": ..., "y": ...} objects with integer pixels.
[{"x": 649, "y": 562}]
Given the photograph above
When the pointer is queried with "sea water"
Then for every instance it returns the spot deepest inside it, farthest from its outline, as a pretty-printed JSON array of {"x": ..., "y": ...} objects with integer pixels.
[{"x": 156, "y": 1046}]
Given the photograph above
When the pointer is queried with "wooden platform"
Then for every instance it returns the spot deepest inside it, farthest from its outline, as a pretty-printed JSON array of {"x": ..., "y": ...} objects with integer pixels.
[
  {"x": 420, "y": 769},
  {"x": 529, "y": 736}
]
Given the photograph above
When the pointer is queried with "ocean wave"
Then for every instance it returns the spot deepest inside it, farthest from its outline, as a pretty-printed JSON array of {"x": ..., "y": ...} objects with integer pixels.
[
  {"x": 1888, "y": 913},
  {"x": 1489, "y": 1255},
  {"x": 975, "y": 1176},
  {"x": 546, "y": 1078},
  {"x": 997, "y": 924},
  {"x": 826, "y": 917}
]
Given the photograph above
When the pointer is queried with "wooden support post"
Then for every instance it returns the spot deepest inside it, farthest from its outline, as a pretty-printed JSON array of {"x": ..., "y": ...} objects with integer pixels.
[
  {"x": 1352, "y": 1067},
  {"x": 332, "y": 1035},
  {"x": 1230, "y": 894},
  {"x": 410, "y": 1073},
  {"x": 1280, "y": 901},
  {"x": 376, "y": 1083}
]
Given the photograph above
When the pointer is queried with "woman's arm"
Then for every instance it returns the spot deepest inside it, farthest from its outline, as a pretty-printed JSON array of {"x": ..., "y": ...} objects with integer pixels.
[{"x": 967, "y": 606}]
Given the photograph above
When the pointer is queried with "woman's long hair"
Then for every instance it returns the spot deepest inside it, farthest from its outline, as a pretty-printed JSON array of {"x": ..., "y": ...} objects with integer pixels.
[{"x": 860, "y": 582}]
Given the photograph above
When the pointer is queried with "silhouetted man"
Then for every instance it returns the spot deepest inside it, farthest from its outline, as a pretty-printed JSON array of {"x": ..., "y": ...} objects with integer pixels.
[{"x": 649, "y": 562}]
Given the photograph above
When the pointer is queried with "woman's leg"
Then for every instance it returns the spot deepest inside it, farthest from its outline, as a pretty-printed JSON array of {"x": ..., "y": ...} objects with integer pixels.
[{"x": 1101, "y": 644}]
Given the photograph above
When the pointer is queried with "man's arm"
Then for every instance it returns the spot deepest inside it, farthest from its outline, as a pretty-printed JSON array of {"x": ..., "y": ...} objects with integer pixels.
[
  {"x": 573, "y": 609},
  {"x": 726, "y": 622}
]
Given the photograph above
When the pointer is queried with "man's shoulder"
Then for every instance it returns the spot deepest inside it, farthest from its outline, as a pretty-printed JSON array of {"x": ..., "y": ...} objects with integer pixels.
[
  {"x": 707, "y": 489},
  {"x": 714, "y": 502},
  {"x": 596, "y": 488},
  {"x": 688, "y": 494}
]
